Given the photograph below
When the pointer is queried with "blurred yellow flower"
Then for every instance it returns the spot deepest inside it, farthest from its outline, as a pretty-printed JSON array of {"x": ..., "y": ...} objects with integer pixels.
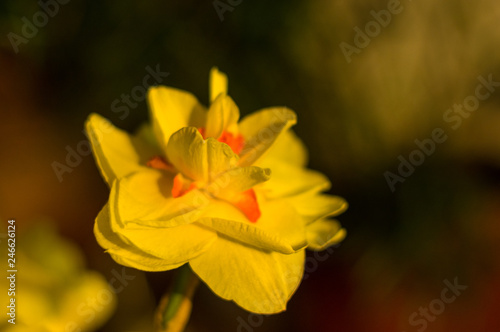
[
  {"x": 53, "y": 290},
  {"x": 231, "y": 198}
]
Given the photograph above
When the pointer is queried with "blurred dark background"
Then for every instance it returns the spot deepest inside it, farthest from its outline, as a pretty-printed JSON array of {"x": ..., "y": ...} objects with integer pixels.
[{"x": 359, "y": 116}]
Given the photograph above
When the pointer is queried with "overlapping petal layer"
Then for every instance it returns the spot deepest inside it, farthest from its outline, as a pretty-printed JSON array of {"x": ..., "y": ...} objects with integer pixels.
[
  {"x": 144, "y": 198},
  {"x": 199, "y": 159},
  {"x": 317, "y": 206},
  {"x": 266, "y": 234},
  {"x": 172, "y": 109},
  {"x": 261, "y": 129},
  {"x": 123, "y": 252},
  {"x": 324, "y": 233},
  {"x": 222, "y": 115}
]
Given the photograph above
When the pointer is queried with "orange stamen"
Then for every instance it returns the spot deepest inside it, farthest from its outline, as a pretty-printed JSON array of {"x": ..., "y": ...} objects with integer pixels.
[
  {"x": 247, "y": 203},
  {"x": 158, "y": 162},
  {"x": 235, "y": 141},
  {"x": 182, "y": 186}
]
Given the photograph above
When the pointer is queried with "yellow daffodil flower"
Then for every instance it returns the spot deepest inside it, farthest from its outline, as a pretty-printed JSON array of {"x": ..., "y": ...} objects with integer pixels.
[{"x": 231, "y": 198}]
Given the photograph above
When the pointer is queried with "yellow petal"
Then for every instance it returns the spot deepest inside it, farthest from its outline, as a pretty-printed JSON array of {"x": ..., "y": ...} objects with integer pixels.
[
  {"x": 187, "y": 151},
  {"x": 220, "y": 158},
  {"x": 144, "y": 263},
  {"x": 324, "y": 233},
  {"x": 261, "y": 129},
  {"x": 257, "y": 280},
  {"x": 172, "y": 109},
  {"x": 288, "y": 180},
  {"x": 287, "y": 148},
  {"x": 237, "y": 180},
  {"x": 145, "y": 198},
  {"x": 217, "y": 84},
  {"x": 199, "y": 159},
  {"x": 222, "y": 115},
  {"x": 175, "y": 245},
  {"x": 279, "y": 228},
  {"x": 314, "y": 207},
  {"x": 280, "y": 217},
  {"x": 114, "y": 149},
  {"x": 246, "y": 233},
  {"x": 122, "y": 252}
]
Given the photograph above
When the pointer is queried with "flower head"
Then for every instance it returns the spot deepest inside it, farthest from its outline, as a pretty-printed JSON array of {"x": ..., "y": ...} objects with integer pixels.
[{"x": 231, "y": 197}]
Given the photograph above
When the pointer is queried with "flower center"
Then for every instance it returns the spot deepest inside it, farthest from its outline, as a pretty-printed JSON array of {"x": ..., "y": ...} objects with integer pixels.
[
  {"x": 235, "y": 141},
  {"x": 245, "y": 201}
]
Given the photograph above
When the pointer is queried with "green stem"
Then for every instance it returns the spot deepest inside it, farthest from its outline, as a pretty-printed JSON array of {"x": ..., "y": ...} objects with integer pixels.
[{"x": 174, "y": 309}]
